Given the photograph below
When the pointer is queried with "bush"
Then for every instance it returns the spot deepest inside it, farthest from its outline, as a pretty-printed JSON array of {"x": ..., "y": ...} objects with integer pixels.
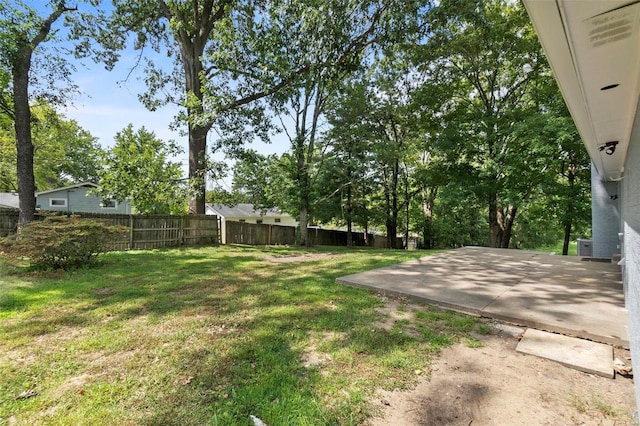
[{"x": 60, "y": 242}]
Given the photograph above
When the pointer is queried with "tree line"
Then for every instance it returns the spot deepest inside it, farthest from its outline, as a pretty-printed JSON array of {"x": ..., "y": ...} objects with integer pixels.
[{"x": 433, "y": 118}]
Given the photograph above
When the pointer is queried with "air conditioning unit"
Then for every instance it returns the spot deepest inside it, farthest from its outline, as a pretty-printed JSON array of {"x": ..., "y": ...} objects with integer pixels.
[{"x": 585, "y": 248}]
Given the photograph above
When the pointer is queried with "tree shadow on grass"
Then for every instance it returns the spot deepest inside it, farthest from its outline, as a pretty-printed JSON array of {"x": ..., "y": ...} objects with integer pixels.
[{"x": 256, "y": 368}]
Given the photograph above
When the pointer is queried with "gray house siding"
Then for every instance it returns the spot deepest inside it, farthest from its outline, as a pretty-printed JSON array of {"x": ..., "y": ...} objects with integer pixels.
[
  {"x": 77, "y": 200},
  {"x": 631, "y": 246},
  {"x": 605, "y": 216}
]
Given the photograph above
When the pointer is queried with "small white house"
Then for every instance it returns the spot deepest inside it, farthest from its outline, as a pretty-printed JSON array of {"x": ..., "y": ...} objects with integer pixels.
[{"x": 249, "y": 214}]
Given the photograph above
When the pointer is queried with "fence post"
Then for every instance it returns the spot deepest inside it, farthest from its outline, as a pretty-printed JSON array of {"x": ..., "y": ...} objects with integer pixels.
[
  {"x": 181, "y": 232},
  {"x": 130, "y": 232}
]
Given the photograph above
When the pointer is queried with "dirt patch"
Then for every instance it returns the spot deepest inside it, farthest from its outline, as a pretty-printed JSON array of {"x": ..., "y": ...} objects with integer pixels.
[
  {"x": 308, "y": 257},
  {"x": 495, "y": 385},
  {"x": 74, "y": 384},
  {"x": 394, "y": 310},
  {"x": 312, "y": 357}
]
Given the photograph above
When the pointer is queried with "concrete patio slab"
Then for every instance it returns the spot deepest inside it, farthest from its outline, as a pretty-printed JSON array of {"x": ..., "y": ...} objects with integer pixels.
[
  {"x": 555, "y": 293},
  {"x": 582, "y": 355}
]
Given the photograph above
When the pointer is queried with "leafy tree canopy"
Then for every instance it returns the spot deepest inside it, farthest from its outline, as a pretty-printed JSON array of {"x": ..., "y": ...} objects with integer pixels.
[
  {"x": 138, "y": 169},
  {"x": 64, "y": 153}
]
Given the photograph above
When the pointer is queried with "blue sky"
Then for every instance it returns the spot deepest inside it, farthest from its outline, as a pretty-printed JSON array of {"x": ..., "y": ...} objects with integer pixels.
[{"x": 107, "y": 105}]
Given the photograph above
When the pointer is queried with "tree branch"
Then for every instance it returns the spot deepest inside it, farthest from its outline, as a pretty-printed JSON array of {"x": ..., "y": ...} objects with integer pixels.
[{"x": 45, "y": 28}]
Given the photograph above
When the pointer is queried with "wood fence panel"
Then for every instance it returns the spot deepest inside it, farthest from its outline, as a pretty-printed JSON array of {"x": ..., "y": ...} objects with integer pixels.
[
  {"x": 246, "y": 233},
  {"x": 378, "y": 241},
  {"x": 156, "y": 231},
  {"x": 259, "y": 234},
  {"x": 327, "y": 237},
  {"x": 8, "y": 222},
  {"x": 124, "y": 220},
  {"x": 144, "y": 232},
  {"x": 283, "y": 235},
  {"x": 200, "y": 229}
]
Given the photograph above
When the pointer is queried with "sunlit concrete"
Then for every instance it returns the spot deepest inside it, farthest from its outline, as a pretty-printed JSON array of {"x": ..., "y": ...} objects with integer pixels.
[{"x": 555, "y": 293}]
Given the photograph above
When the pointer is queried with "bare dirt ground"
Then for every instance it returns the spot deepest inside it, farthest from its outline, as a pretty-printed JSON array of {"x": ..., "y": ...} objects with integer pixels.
[{"x": 495, "y": 385}]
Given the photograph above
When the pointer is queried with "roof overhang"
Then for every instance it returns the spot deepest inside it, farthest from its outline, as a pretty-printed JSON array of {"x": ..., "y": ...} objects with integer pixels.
[
  {"x": 68, "y": 188},
  {"x": 593, "y": 47}
]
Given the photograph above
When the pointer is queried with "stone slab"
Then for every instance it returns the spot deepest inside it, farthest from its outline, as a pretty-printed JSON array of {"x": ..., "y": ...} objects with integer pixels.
[{"x": 582, "y": 355}]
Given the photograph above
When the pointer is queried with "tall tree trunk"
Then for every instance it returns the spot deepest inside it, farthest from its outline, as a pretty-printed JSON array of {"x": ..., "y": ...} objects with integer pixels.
[
  {"x": 427, "y": 211},
  {"x": 24, "y": 145},
  {"x": 387, "y": 210},
  {"x": 392, "y": 229},
  {"x": 303, "y": 181},
  {"x": 349, "y": 211},
  {"x": 567, "y": 237},
  {"x": 303, "y": 234},
  {"x": 495, "y": 231},
  {"x": 191, "y": 44},
  {"x": 407, "y": 206},
  {"x": 197, "y": 168},
  {"x": 500, "y": 223},
  {"x": 507, "y": 226}
]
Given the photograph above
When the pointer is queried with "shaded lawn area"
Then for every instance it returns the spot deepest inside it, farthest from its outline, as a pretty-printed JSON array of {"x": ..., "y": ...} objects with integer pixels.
[{"x": 207, "y": 336}]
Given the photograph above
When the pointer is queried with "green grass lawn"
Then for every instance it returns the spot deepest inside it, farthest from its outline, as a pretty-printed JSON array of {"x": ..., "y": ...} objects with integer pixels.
[
  {"x": 207, "y": 336},
  {"x": 557, "y": 248}
]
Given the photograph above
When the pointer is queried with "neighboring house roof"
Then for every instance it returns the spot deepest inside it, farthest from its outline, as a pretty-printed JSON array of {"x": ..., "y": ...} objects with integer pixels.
[
  {"x": 64, "y": 188},
  {"x": 9, "y": 200},
  {"x": 242, "y": 210}
]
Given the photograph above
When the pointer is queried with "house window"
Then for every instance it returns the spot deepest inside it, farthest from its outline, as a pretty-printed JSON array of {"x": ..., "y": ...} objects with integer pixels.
[
  {"x": 108, "y": 203},
  {"x": 277, "y": 220},
  {"x": 258, "y": 221},
  {"x": 57, "y": 202}
]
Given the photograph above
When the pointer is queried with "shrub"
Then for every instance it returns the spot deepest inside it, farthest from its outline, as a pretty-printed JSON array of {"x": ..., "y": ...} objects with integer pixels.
[{"x": 60, "y": 242}]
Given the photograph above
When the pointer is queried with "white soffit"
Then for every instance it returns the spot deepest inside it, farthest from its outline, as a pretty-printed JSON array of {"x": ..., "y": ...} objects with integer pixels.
[{"x": 593, "y": 47}]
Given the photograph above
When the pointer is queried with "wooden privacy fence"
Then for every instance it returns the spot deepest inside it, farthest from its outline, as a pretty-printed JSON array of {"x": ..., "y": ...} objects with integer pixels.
[
  {"x": 144, "y": 232},
  {"x": 8, "y": 221},
  {"x": 263, "y": 234},
  {"x": 258, "y": 234},
  {"x": 329, "y": 237}
]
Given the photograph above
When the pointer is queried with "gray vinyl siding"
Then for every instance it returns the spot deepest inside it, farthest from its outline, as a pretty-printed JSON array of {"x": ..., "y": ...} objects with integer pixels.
[
  {"x": 78, "y": 201},
  {"x": 605, "y": 216},
  {"x": 631, "y": 246}
]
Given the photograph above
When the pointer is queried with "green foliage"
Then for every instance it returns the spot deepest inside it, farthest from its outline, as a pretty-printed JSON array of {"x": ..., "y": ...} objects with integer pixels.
[
  {"x": 260, "y": 179},
  {"x": 482, "y": 66},
  {"x": 453, "y": 136},
  {"x": 36, "y": 73},
  {"x": 222, "y": 196},
  {"x": 60, "y": 242},
  {"x": 64, "y": 153},
  {"x": 24, "y": 35},
  {"x": 459, "y": 219},
  {"x": 138, "y": 169}
]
